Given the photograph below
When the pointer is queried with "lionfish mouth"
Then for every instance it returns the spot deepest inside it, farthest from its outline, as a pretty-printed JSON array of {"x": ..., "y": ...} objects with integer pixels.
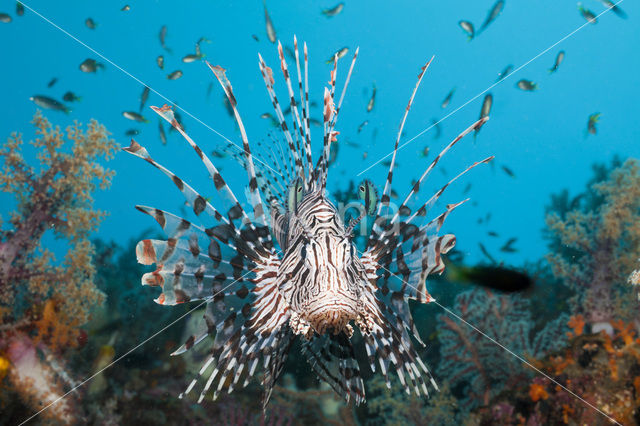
[
  {"x": 230, "y": 262},
  {"x": 330, "y": 315}
]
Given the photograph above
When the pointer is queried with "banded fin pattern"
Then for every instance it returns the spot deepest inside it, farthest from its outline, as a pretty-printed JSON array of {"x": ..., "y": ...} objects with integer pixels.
[{"x": 286, "y": 266}]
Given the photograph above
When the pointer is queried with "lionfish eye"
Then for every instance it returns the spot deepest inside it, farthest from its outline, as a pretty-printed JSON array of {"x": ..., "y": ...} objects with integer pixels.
[
  {"x": 303, "y": 253},
  {"x": 351, "y": 249}
]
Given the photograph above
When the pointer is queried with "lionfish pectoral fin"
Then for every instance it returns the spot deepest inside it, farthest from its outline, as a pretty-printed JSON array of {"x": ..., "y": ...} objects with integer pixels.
[
  {"x": 259, "y": 329},
  {"x": 386, "y": 334}
]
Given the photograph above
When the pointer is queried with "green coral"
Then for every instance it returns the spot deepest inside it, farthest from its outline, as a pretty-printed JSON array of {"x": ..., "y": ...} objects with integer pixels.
[{"x": 595, "y": 244}]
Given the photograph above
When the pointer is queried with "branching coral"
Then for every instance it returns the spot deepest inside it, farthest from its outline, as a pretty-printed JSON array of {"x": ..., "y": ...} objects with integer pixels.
[
  {"x": 43, "y": 302},
  {"x": 479, "y": 365},
  {"x": 57, "y": 196},
  {"x": 596, "y": 245},
  {"x": 603, "y": 370}
]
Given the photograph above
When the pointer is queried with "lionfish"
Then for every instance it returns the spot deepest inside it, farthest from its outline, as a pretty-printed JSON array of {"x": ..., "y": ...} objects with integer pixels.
[{"x": 289, "y": 266}]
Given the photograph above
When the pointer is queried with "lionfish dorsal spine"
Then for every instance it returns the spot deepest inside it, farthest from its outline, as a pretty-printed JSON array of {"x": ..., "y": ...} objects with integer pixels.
[
  {"x": 267, "y": 75},
  {"x": 385, "y": 198},
  {"x": 256, "y": 201},
  {"x": 304, "y": 105},
  {"x": 295, "y": 116}
]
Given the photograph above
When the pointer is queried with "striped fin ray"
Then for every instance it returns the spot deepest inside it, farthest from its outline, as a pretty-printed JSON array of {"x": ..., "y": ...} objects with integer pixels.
[
  {"x": 256, "y": 201},
  {"x": 184, "y": 273},
  {"x": 333, "y": 359},
  {"x": 267, "y": 75},
  {"x": 249, "y": 325},
  {"x": 270, "y": 183},
  {"x": 304, "y": 104},
  {"x": 306, "y": 101},
  {"x": 384, "y": 199},
  {"x": 221, "y": 186},
  {"x": 245, "y": 240},
  {"x": 332, "y": 125},
  {"x": 295, "y": 116},
  {"x": 328, "y": 111},
  {"x": 416, "y": 186},
  {"x": 413, "y": 255},
  {"x": 274, "y": 358},
  {"x": 391, "y": 346}
]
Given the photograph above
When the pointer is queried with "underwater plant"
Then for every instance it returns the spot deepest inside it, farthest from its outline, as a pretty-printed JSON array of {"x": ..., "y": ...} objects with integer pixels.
[
  {"x": 477, "y": 367},
  {"x": 595, "y": 245},
  {"x": 44, "y": 302},
  {"x": 603, "y": 369}
]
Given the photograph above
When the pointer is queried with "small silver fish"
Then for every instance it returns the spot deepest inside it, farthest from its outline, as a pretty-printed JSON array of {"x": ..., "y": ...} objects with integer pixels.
[
  {"x": 49, "y": 103},
  {"x": 131, "y": 115},
  {"x": 132, "y": 132},
  {"x": 508, "y": 171},
  {"x": 90, "y": 65},
  {"x": 5, "y": 18},
  {"x": 163, "y": 36},
  {"x": 587, "y": 14},
  {"x": 362, "y": 125},
  {"x": 447, "y": 99},
  {"x": 614, "y": 8},
  {"x": 52, "y": 82},
  {"x": 271, "y": 31},
  {"x": 90, "y": 23},
  {"x": 163, "y": 136},
  {"x": 436, "y": 126},
  {"x": 175, "y": 75},
  {"x": 341, "y": 54},
  {"x": 425, "y": 152},
  {"x": 526, "y": 85},
  {"x": 505, "y": 72},
  {"x": 191, "y": 57},
  {"x": 19, "y": 9},
  {"x": 333, "y": 11},
  {"x": 372, "y": 101},
  {"x": 559, "y": 59},
  {"x": 143, "y": 97},
  {"x": 467, "y": 27},
  {"x": 125, "y": 8},
  {"x": 484, "y": 111},
  {"x": 493, "y": 14},
  {"x": 160, "y": 62}
]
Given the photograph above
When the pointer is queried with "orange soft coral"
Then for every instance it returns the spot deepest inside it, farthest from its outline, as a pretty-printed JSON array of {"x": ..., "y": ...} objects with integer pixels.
[{"x": 537, "y": 392}]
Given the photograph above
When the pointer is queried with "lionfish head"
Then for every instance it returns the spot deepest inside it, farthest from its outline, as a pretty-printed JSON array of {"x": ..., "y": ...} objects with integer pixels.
[{"x": 326, "y": 272}]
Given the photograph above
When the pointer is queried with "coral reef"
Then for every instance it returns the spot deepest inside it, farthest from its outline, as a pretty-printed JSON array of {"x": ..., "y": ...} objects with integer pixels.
[
  {"x": 595, "y": 243},
  {"x": 394, "y": 407},
  {"x": 43, "y": 302},
  {"x": 476, "y": 366},
  {"x": 604, "y": 370}
]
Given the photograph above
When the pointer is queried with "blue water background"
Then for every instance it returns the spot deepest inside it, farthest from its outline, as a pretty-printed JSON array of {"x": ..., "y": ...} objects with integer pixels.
[{"x": 539, "y": 135}]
